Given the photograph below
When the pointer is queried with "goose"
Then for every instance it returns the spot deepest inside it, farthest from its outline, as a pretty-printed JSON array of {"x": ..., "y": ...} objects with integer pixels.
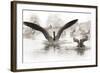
[
  {"x": 53, "y": 41},
  {"x": 81, "y": 41}
]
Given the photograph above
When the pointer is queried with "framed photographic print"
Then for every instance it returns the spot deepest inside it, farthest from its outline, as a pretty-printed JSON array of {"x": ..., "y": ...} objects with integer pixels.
[{"x": 48, "y": 36}]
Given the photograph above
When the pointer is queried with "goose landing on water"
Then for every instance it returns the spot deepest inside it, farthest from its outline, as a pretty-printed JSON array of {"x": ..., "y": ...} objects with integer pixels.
[
  {"x": 52, "y": 41},
  {"x": 81, "y": 41}
]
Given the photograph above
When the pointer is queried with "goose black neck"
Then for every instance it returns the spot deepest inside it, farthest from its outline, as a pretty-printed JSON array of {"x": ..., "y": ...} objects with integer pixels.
[{"x": 54, "y": 35}]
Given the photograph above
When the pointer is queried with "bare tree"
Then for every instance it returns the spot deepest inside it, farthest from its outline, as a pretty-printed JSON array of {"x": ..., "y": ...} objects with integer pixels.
[
  {"x": 54, "y": 22},
  {"x": 81, "y": 33},
  {"x": 27, "y": 31}
]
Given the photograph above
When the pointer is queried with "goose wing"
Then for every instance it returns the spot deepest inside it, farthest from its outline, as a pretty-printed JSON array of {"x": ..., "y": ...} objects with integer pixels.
[
  {"x": 84, "y": 39},
  {"x": 39, "y": 28},
  {"x": 76, "y": 40},
  {"x": 67, "y": 25}
]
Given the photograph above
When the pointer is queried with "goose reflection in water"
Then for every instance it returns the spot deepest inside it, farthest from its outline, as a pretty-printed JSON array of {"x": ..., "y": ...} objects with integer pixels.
[{"x": 80, "y": 50}]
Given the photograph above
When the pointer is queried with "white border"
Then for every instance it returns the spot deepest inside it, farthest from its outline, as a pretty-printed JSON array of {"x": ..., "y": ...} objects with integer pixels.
[{"x": 20, "y": 7}]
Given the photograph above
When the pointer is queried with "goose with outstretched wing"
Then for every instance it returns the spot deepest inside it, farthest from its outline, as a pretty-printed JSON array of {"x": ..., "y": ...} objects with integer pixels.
[
  {"x": 52, "y": 40},
  {"x": 39, "y": 28}
]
